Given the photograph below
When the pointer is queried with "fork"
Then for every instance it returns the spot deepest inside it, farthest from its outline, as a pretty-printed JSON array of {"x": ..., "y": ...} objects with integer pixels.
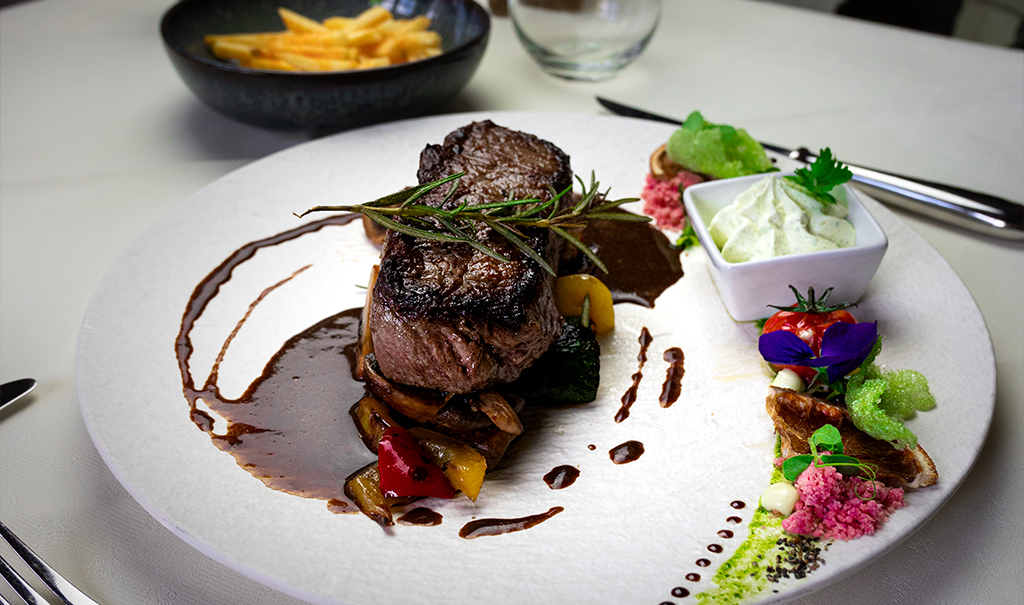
[{"x": 53, "y": 580}]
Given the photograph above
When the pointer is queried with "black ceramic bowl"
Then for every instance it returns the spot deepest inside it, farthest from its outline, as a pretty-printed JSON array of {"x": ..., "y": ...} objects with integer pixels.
[{"x": 325, "y": 100}]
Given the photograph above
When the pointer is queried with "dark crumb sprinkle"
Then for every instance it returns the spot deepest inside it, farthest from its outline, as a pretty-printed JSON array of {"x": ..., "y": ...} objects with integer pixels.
[{"x": 798, "y": 556}]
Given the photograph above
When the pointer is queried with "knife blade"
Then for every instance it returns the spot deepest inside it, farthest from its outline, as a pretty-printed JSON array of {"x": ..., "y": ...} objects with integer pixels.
[
  {"x": 979, "y": 212},
  {"x": 12, "y": 391}
]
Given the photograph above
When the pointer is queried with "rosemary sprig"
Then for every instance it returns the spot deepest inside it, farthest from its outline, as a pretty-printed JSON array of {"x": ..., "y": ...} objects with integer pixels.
[{"x": 401, "y": 212}]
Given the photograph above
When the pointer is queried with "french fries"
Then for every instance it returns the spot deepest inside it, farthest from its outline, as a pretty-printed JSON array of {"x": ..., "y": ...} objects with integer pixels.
[{"x": 374, "y": 38}]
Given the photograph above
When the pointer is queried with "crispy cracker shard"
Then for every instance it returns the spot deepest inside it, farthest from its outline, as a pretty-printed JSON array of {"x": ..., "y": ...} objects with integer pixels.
[{"x": 797, "y": 415}]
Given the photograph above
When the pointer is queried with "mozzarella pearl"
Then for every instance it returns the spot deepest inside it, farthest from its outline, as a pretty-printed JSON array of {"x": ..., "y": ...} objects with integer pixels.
[
  {"x": 780, "y": 498},
  {"x": 788, "y": 379}
]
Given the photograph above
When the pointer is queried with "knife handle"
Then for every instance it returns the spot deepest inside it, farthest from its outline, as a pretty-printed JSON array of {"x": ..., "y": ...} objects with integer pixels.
[{"x": 972, "y": 210}]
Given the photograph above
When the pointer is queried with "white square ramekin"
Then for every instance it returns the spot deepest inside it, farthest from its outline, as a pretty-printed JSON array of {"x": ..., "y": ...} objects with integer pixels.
[{"x": 748, "y": 288}]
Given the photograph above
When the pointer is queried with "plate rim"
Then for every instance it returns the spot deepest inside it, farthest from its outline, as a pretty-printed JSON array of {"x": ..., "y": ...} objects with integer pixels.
[{"x": 261, "y": 576}]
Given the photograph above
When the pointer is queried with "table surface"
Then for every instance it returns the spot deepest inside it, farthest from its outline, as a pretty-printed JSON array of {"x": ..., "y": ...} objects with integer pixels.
[{"x": 99, "y": 138}]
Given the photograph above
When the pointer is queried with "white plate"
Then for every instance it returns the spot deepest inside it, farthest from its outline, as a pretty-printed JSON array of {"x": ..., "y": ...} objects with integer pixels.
[{"x": 628, "y": 534}]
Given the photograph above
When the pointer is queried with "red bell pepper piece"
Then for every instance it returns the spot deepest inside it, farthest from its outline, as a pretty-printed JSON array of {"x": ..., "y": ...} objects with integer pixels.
[{"x": 405, "y": 469}]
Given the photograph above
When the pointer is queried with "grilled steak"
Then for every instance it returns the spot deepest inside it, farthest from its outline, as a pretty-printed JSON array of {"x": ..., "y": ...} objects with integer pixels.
[{"x": 446, "y": 316}]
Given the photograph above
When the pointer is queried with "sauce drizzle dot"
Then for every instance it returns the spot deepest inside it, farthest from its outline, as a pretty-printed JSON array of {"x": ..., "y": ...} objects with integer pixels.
[
  {"x": 672, "y": 387},
  {"x": 626, "y": 452},
  {"x": 561, "y": 476},
  {"x": 420, "y": 516}
]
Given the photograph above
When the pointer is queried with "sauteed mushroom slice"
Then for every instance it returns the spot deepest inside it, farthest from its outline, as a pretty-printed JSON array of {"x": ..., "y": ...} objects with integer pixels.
[
  {"x": 418, "y": 405},
  {"x": 365, "y": 341},
  {"x": 372, "y": 418},
  {"x": 500, "y": 412}
]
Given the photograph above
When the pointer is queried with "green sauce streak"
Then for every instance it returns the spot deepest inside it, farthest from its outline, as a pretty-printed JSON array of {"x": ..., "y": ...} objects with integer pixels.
[{"x": 743, "y": 575}]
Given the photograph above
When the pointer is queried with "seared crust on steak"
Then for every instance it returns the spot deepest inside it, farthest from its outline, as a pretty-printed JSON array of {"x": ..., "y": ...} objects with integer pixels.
[
  {"x": 797, "y": 416},
  {"x": 445, "y": 316}
]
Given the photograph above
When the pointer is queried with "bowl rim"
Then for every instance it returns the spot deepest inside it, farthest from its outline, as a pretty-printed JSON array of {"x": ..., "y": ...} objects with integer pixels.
[
  {"x": 707, "y": 242},
  {"x": 181, "y": 5}
]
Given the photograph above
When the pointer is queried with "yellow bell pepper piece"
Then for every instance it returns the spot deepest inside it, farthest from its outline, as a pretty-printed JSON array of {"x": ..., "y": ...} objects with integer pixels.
[
  {"x": 460, "y": 463},
  {"x": 572, "y": 289}
]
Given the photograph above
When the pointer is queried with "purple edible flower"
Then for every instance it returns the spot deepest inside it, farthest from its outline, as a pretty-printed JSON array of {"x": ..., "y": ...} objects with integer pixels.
[{"x": 844, "y": 346}]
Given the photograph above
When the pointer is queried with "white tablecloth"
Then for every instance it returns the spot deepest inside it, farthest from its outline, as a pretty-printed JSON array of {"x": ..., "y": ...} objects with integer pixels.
[{"x": 99, "y": 137}]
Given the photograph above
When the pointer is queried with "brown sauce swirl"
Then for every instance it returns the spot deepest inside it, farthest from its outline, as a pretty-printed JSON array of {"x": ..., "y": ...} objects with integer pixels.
[
  {"x": 341, "y": 507},
  {"x": 266, "y": 437},
  {"x": 642, "y": 263},
  {"x": 291, "y": 428},
  {"x": 497, "y": 527}
]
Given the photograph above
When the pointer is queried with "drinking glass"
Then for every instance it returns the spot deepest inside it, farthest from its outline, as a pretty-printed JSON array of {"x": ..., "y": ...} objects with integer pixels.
[{"x": 585, "y": 39}]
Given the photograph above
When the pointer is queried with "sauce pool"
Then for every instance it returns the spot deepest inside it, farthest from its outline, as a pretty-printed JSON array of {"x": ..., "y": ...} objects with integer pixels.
[{"x": 291, "y": 427}]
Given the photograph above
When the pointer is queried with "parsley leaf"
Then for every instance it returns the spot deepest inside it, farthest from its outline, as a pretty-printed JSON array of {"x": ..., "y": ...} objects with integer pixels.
[
  {"x": 820, "y": 177},
  {"x": 694, "y": 122},
  {"x": 687, "y": 238}
]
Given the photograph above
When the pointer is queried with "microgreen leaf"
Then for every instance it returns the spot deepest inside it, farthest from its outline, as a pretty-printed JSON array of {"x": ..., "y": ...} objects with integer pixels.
[
  {"x": 847, "y": 465},
  {"x": 792, "y": 467},
  {"x": 822, "y": 176},
  {"x": 828, "y": 438}
]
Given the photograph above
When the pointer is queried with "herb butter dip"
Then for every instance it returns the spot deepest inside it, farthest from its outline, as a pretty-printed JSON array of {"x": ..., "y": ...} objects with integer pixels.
[{"x": 776, "y": 217}]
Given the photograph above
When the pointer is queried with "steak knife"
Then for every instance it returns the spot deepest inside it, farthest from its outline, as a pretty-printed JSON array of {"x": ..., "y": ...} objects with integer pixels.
[{"x": 972, "y": 210}]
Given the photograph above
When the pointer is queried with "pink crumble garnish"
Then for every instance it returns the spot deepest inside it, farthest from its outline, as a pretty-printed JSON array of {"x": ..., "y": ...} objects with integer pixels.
[
  {"x": 662, "y": 201},
  {"x": 830, "y": 508}
]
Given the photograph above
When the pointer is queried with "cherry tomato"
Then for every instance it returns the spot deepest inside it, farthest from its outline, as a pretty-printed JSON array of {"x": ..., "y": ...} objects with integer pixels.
[{"x": 808, "y": 319}]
